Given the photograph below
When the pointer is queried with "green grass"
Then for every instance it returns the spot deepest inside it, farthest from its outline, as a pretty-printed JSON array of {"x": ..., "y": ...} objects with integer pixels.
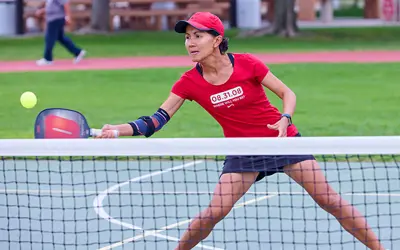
[
  {"x": 169, "y": 43},
  {"x": 348, "y": 11},
  {"x": 333, "y": 99}
]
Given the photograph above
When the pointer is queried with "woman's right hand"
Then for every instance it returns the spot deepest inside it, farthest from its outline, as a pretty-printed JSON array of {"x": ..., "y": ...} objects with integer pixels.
[{"x": 108, "y": 131}]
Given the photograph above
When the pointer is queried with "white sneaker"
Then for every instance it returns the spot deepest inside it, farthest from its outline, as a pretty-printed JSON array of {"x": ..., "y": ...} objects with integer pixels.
[
  {"x": 80, "y": 56},
  {"x": 43, "y": 62}
]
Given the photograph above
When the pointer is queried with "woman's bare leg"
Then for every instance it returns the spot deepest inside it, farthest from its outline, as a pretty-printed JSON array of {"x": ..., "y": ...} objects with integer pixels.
[
  {"x": 310, "y": 176},
  {"x": 230, "y": 188}
]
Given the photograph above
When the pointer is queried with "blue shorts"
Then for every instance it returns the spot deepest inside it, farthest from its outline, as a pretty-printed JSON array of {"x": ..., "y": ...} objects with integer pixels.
[{"x": 264, "y": 164}]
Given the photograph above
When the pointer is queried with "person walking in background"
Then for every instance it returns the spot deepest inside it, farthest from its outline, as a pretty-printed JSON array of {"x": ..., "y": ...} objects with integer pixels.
[{"x": 57, "y": 13}]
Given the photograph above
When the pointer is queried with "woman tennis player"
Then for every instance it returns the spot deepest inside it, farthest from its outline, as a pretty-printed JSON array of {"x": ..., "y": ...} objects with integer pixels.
[{"x": 230, "y": 87}]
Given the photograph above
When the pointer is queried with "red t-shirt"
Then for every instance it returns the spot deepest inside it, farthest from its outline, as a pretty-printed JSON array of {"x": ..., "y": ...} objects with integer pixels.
[{"x": 240, "y": 105}]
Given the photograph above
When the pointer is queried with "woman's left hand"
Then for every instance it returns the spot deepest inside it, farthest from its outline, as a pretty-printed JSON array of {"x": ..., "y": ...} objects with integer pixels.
[{"x": 281, "y": 126}]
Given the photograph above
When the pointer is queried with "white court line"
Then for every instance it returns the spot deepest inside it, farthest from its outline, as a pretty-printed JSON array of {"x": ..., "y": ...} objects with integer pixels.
[
  {"x": 99, "y": 209},
  {"x": 91, "y": 192},
  {"x": 141, "y": 236},
  {"x": 373, "y": 194}
]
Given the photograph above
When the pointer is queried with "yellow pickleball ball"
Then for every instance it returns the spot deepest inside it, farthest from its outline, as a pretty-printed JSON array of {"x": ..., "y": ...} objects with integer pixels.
[{"x": 28, "y": 100}]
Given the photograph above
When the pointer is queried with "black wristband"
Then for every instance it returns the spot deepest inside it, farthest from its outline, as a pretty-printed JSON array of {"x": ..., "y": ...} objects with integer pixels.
[{"x": 288, "y": 117}]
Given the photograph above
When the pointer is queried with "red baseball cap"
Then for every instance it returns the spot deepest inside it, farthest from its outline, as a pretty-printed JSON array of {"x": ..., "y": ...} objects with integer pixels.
[{"x": 203, "y": 21}]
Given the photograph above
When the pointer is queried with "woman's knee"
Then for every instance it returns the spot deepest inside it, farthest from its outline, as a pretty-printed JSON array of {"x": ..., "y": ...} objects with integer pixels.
[
  {"x": 330, "y": 202},
  {"x": 216, "y": 213}
]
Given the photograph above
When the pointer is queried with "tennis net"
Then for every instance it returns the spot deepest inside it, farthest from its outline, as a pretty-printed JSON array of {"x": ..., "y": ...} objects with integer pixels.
[{"x": 143, "y": 193}]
